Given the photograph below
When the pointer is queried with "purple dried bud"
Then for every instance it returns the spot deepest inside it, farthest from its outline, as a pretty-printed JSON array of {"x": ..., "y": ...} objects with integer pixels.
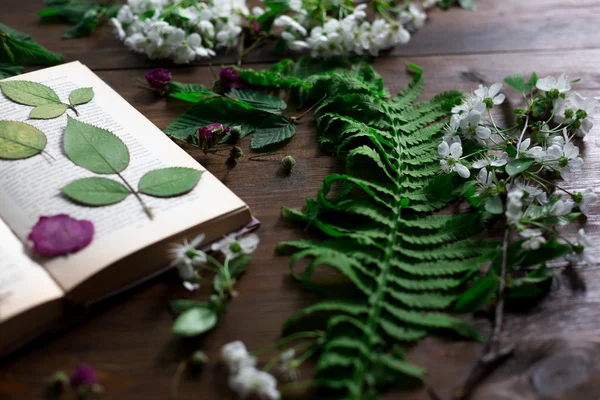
[
  {"x": 255, "y": 27},
  {"x": 60, "y": 234},
  {"x": 230, "y": 78},
  {"x": 205, "y": 133},
  {"x": 159, "y": 78},
  {"x": 83, "y": 376}
]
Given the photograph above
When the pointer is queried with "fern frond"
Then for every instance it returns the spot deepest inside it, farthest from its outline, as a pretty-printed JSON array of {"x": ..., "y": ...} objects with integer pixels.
[{"x": 404, "y": 265}]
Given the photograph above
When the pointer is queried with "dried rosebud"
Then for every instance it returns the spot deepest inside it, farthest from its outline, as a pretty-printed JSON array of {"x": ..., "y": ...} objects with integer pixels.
[
  {"x": 218, "y": 128},
  {"x": 159, "y": 78},
  {"x": 288, "y": 163},
  {"x": 205, "y": 134},
  {"x": 230, "y": 78},
  {"x": 83, "y": 376},
  {"x": 60, "y": 234}
]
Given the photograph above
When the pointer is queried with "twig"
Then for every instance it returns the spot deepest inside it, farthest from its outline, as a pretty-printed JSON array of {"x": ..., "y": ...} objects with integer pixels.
[
  {"x": 296, "y": 119},
  {"x": 177, "y": 379},
  {"x": 492, "y": 355}
]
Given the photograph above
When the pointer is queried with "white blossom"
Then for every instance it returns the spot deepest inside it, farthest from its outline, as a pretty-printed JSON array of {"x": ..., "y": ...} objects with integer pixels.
[
  {"x": 236, "y": 356},
  {"x": 450, "y": 159},
  {"x": 534, "y": 239},
  {"x": 514, "y": 206},
  {"x": 551, "y": 83},
  {"x": 234, "y": 245},
  {"x": 470, "y": 103},
  {"x": 492, "y": 93},
  {"x": 470, "y": 126},
  {"x": 587, "y": 197},
  {"x": 534, "y": 193},
  {"x": 564, "y": 159},
  {"x": 118, "y": 29},
  {"x": 250, "y": 381},
  {"x": 583, "y": 251},
  {"x": 587, "y": 105},
  {"x": 562, "y": 207},
  {"x": 184, "y": 256}
]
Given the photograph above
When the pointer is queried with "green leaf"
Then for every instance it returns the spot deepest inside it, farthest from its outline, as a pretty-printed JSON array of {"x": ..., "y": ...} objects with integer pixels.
[
  {"x": 519, "y": 165},
  {"x": 48, "y": 111},
  {"x": 27, "y": 51},
  {"x": 96, "y": 191},
  {"x": 180, "y": 87},
  {"x": 17, "y": 34},
  {"x": 85, "y": 26},
  {"x": 478, "y": 295},
  {"x": 494, "y": 205},
  {"x": 168, "y": 182},
  {"x": 259, "y": 100},
  {"x": 93, "y": 148},
  {"x": 180, "y": 306},
  {"x": 516, "y": 82},
  {"x": 29, "y": 93},
  {"x": 113, "y": 10},
  {"x": 20, "y": 140},
  {"x": 275, "y": 130},
  {"x": 239, "y": 264},
  {"x": 81, "y": 96},
  {"x": 194, "y": 322},
  {"x": 532, "y": 82}
]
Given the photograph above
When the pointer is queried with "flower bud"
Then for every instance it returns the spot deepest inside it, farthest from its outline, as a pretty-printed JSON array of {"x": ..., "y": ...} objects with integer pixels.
[
  {"x": 235, "y": 132},
  {"x": 288, "y": 163},
  {"x": 553, "y": 94},
  {"x": 236, "y": 152},
  {"x": 581, "y": 114},
  {"x": 198, "y": 359},
  {"x": 489, "y": 103},
  {"x": 159, "y": 78},
  {"x": 569, "y": 113}
]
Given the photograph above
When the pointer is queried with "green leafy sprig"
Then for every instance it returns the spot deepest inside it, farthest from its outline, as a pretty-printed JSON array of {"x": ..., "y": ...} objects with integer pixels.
[
  {"x": 45, "y": 100},
  {"x": 83, "y": 16},
  {"x": 18, "y": 49}
]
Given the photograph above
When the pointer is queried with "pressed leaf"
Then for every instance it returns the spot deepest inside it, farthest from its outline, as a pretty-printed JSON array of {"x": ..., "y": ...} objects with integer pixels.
[
  {"x": 96, "y": 191},
  {"x": 275, "y": 130},
  {"x": 81, "y": 96},
  {"x": 20, "y": 140},
  {"x": 169, "y": 182},
  {"x": 93, "y": 148},
  {"x": 194, "y": 322},
  {"x": 29, "y": 93},
  {"x": 259, "y": 100},
  {"x": 48, "y": 111}
]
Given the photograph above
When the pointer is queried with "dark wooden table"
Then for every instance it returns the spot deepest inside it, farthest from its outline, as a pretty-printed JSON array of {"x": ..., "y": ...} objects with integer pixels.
[{"x": 128, "y": 339}]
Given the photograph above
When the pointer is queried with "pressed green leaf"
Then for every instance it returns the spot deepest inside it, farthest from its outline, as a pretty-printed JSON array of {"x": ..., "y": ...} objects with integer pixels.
[
  {"x": 259, "y": 100},
  {"x": 93, "y": 148},
  {"x": 167, "y": 182},
  {"x": 275, "y": 130},
  {"x": 48, "y": 111},
  {"x": 81, "y": 96},
  {"x": 20, "y": 140},
  {"x": 195, "y": 321},
  {"x": 519, "y": 165},
  {"x": 96, "y": 191},
  {"x": 29, "y": 93}
]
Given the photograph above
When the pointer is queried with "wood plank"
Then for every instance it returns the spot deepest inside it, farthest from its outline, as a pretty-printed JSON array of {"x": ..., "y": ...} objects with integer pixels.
[
  {"x": 498, "y": 26},
  {"x": 128, "y": 339}
]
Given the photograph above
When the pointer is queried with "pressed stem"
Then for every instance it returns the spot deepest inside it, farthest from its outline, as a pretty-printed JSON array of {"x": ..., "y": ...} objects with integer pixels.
[
  {"x": 257, "y": 157},
  {"x": 72, "y": 108},
  {"x": 310, "y": 108},
  {"x": 136, "y": 194}
]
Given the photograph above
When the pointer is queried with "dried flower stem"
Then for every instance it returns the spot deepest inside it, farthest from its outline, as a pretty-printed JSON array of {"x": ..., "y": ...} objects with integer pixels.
[{"x": 147, "y": 209}]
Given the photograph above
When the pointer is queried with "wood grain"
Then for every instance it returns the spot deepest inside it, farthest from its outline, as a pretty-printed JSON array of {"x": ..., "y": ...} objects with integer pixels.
[{"x": 128, "y": 339}]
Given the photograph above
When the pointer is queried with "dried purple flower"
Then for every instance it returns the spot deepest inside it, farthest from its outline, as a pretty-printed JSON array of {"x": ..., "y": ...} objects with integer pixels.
[
  {"x": 230, "y": 78},
  {"x": 60, "y": 234},
  {"x": 204, "y": 134},
  {"x": 159, "y": 78},
  {"x": 83, "y": 376},
  {"x": 215, "y": 126}
]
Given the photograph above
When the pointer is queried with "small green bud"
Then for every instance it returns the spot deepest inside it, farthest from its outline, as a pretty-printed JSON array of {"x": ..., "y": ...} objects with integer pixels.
[
  {"x": 563, "y": 162},
  {"x": 236, "y": 131},
  {"x": 576, "y": 124},
  {"x": 489, "y": 103},
  {"x": 198, "y": 359},
  {"x": 235, "y": 247},
  {"x": 581, "y": 114},
  {"x": 569, "y": 113},
  {"x": 288, "y": 163},
  {"x": 577, "y": 197},
  {"x": 553, "y": 94}
]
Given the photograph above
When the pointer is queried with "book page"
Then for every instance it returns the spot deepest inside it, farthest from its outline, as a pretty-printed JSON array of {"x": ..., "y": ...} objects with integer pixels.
[
  {"x": 24, "y": 284},
  {"x": 30, "y": 188}
]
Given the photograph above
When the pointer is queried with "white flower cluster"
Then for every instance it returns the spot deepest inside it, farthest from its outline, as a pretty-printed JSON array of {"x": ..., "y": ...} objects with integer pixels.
[
  {"x": 244, "y": 378},
  {"x": 535, "y": 146},
  {"x": 176, "y": 30},
  {"x": 165, "y": 29}
]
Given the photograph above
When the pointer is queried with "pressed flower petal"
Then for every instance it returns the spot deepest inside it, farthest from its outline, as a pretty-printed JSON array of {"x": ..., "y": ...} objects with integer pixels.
[
  {"x": 462, "y": 171},
  {"x": 60, "y": 234}
]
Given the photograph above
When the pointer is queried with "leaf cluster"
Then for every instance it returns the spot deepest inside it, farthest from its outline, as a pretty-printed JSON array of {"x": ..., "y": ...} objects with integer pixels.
[
  {"x": 18, "y": 49},
  {"x": 82, "y": 15}
]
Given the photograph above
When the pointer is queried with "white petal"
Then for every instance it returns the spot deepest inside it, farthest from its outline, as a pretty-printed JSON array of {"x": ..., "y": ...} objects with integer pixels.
[
  {"x": 444, "y": 149},
  {"x": 462, "y": 170},
  {"x": 495, "y": 89},
  {"x": 456, "y": 150},
  {"x": 483, "y": 133},
  {"x": 499, "y": 99}
]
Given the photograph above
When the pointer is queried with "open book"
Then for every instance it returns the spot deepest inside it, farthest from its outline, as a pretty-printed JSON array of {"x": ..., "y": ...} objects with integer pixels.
[{"x": 127, "y": 247}]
